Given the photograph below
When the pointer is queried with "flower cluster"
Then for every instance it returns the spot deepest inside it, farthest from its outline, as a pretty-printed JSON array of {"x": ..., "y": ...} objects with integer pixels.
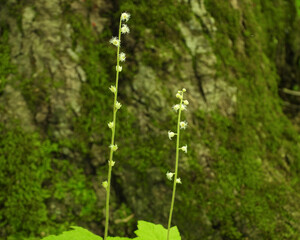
[
  {"x": 182, "y": 106},
  {"x": 170, "y": 176},
  {"x": 121, "y": 57}
]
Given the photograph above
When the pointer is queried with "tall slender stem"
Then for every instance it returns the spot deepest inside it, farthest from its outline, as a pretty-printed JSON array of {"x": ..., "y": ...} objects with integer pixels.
[
  {"x": 176, "y": 168},
  {"x": 112, "y": 140}
]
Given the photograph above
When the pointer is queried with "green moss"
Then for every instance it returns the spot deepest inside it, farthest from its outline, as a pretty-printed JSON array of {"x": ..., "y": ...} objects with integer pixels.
[
  {"x": 298, "y": 7},
  {"x": 6, "y": 67},
  {"x": 245, "y": 146},
  {"x": 25, "y": 162}
]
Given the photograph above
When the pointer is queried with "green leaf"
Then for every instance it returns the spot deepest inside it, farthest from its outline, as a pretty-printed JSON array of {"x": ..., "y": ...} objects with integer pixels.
[
  {"x": 150, "y": 231},
  {"x": 120, "y": 238},
  {"x": 78, "y": 233}
]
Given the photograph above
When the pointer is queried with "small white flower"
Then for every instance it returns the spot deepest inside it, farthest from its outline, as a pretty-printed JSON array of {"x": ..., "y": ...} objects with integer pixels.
[
  {"x": 169, "y": 175},
  {"x": 112, "y": 163},
  {"x": 122, "y": 57},
  {"x": 113, "y": 89},
  {"x": 105, "y": 184},
  {"x": 171, "y": 134},
  {"x": 118, "y": 105},
  {"x": 179, "y": 95},
  {"x": 119, "y": 69},
  {"x": 178, "y": 180},
  {"x": 125, "y": 16},
  {"x": 115, "y": 41},
  {"x": 183, "y": 124},
  {"x": 183, "y": 107},
  {"x": 114, "y": 147},
  {"x": 125, "y": 29},
  {"x": 110, "y": 124},
  {"x": 184, "y": 148},
  {"x": 186, "y": 102},
  {"x": 176, "y": 107},
  {"x": 184, "y": 90}
]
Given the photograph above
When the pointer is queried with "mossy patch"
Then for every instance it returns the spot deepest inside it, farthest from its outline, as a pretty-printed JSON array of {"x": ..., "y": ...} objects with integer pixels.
[{"x": 244, "y": 195}]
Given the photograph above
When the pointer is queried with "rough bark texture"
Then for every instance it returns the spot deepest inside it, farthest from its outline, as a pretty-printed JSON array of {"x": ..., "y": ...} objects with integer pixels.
[{"x": 235, "y": 58}]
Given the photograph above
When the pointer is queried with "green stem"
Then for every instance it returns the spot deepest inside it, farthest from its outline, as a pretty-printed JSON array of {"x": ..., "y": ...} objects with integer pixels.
[
  {"x": 112, "y": 141},
  {"x": 176, "y": 169}
]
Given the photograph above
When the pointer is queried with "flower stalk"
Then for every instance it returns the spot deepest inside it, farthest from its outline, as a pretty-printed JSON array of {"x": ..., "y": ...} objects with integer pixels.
[
  {"x": 180, "y": 125},
  {"x": 112, "y": 125}
]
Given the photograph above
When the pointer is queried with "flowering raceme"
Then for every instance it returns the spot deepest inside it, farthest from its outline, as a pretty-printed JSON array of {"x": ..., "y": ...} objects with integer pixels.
[
  {"x": 182, "y": 106},
  {"x": 116, "y": 41}
]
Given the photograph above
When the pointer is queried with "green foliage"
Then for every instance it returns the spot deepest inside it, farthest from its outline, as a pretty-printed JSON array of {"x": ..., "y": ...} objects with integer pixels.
[
  {"x": 77, "y": 233},
  {"x": 5, "y": 67},
  {"x": 146, "y": 231},
  {"x": 118, "y": 238},
  {"x": 25, "y": 162},
  {"x": 151, "y": 231},
  {"x": 71, "y": 183},
  {"x": 298, "y": 7},
  {"x": 249, "y": 145}
]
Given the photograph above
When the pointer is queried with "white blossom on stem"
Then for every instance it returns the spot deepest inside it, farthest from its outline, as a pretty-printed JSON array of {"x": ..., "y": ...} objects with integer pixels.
[
  {"x": 183, "y": 107},
  {"x": 178, "y": 180},
  {"x": 179, "y": 95},
  {"x": 125, "y": 29},
  {"x": 183, "y": 124},
  {"x": 122, "y": 57},
  {"x": 113, "y": 89},
  {"x": 186, "y": 102},
  {"x": 184, "y": 148},
  {"x": 113, "y": 147},
  {"x": 118, "y": 68},
  {"x": 125, "y": 16},
  {"x": 105, "y": 184},
  {"x": 110, "y": 125},
  {"x": 118, "y": 105},
  {"x": 171, "y": 134},
  {"x": 169, "y": 175},
  {"x": 115, "y": 41},
  {"x": 112, "y": 163},
  {"x": 176, "y": 107}
]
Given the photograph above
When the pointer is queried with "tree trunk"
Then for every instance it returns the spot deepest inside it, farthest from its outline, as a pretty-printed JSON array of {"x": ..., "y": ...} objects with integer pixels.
[{"x": 240, "y": 176}]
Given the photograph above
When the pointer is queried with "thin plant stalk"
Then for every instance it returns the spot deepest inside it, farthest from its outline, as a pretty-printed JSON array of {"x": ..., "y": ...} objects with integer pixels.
[
  {"x": 112, "y": 140},
  {"x": 176, "y": 168}
]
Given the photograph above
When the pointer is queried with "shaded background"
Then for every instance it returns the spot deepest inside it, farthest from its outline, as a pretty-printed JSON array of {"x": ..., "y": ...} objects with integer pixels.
[{"x": 240, "y": 63}]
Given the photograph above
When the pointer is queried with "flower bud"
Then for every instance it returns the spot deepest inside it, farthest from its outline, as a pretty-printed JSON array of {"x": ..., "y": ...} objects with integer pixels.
[
  {"x": 119, "y": 69},
  {"x": 118, "y": 105},
  {"x": 113, "y": 89},
  {"x": 105, "y": 184},
  {"x": 114, "y": 147}
]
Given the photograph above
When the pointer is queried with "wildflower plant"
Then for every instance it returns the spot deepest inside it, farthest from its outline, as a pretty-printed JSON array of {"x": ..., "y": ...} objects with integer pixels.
[
  {"x": 116, "y": 41},
  {"x": 182, "y": 106},
  {"x": 145, "y": 230}
]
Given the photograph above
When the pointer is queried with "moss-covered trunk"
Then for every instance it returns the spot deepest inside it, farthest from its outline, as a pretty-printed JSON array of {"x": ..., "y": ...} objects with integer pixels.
[{"x": 235, "y": 58}]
